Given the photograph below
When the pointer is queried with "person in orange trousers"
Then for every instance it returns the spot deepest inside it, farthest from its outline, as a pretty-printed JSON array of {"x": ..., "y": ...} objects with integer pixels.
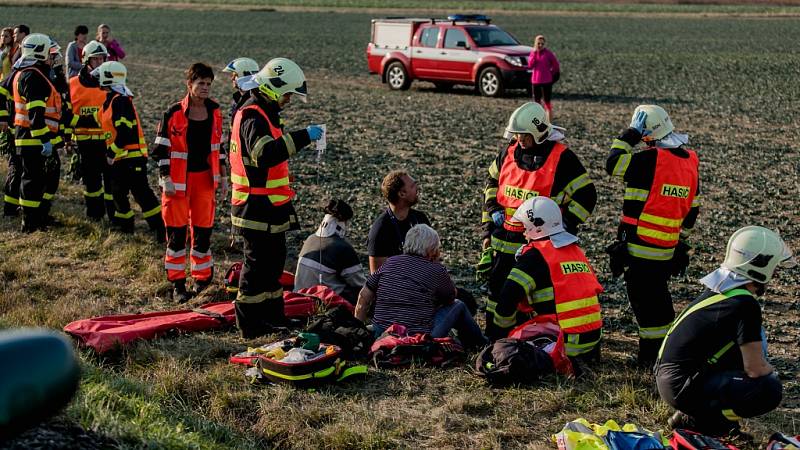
[{"x": 191, "y": 168}]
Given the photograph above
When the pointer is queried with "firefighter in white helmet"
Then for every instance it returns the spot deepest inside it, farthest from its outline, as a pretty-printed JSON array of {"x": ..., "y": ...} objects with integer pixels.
[
  {"x": 126, "y": 151},
  {"x": 238, "y": 69},
  {"x": 87, "y": 101},
  {"x": 36, "y": 125},
  {"x": 660, "y": 207},
  {"x": 261, "y": 208},
  {"x": 551, "y": 275},
  {"x": 535, "y": 162},
  {"x": 712, "y": 366}
]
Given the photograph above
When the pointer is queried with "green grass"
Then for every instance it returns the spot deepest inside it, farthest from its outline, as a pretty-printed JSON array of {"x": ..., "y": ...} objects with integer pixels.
[{"x": 731, "y": 82}]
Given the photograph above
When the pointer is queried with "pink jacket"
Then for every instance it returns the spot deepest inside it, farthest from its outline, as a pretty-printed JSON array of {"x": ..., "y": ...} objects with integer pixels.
[
  {"x": 115, "y": 51},
  {"x": 544, "y": 65}
]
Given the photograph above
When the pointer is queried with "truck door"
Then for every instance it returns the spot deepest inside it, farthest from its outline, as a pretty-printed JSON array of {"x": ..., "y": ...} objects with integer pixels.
[
  {"x": 424, "y": 53},
  {"x": 457, "y": 56}
]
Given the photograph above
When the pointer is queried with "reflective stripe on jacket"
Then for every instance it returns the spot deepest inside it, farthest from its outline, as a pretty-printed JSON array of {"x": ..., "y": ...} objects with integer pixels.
[
  {"x": 669, "y": 200},
  {"x": 177, "y": 127},
  {"x": 275, "y": 185},
  {"x": 515, "y": 185},
  {"x": 575, "y": 286}
]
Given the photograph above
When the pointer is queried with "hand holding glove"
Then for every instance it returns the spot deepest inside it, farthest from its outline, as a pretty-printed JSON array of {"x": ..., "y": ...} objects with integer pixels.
[
  {"x": 314, "y": 132},
  {"x": 498, "y": 217},
  {"x": 47, "y": 149},
  {"x": 167, "y": 186}
]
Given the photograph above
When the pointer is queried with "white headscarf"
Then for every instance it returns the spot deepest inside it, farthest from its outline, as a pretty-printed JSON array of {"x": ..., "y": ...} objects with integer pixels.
[
  {"x": 556, "y": 134},
  {"x": 330, "y": 226},
  {"x": 723, "y": 280},
  {"x": 672, "y": 140},
  {"x": 24, "y": 62}
]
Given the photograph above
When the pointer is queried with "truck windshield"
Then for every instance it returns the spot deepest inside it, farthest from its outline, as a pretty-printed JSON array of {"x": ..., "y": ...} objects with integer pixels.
[{"x": 490, "y": 37}]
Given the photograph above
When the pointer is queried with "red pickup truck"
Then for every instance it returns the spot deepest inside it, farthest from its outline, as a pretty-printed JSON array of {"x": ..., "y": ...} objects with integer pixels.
[{"x": 462, "y": 49}]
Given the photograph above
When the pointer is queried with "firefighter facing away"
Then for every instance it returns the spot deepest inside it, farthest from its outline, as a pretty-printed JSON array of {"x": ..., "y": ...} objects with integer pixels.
[
  {"x": 660, "y": 207},
  {"x": 191, "y": 167},
  {"x": 537, "y": 162},
  {"x": 261, "y": 208},
  {"x": 87, "y": 101},
  {"x": 126, "y": 152},
  {"x": 552, "y": 276},
  {"x": 37, "y": 115},
  {"x": 712, "y": 366}
]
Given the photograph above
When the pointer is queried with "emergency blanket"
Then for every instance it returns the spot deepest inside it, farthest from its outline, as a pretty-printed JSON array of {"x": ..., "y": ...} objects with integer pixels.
[
  {"x": 107, "y": 332},
  {"x": 582, "y": 435}
]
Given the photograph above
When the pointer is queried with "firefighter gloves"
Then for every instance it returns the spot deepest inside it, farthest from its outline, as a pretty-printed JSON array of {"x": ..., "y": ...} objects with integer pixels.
[
  {"x": 47, "y": 149},
  {"x": 498, "y": 217},
  {"x": 638, "y": 121}
]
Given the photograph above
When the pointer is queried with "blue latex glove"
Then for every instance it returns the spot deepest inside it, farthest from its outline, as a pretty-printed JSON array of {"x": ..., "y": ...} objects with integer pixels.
[
  {"x": 638, "y": 121},
  {"x": 498, "y": 217},
  {"x": 314, "y": 132},
  {"x": 764, "y": 342},
  {"x": 47, "y": 149}
]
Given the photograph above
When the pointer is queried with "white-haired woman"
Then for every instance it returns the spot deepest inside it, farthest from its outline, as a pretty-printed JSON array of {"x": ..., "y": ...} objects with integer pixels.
[{"x": 415, "y": 290}]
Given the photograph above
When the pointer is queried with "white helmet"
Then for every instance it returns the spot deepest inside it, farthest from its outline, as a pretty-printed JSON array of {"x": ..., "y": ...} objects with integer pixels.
[
  {"x": 93, "y": 49},
  {"x": 281, "y": 76},
  {"x": 242, "y": 67},
  {"x": 540, "y": 216},
  {"x": 754, "y": 252},
  {"x": 36, "y": 46},
  {"x": 529, "y": 118},
  {"x": 657, "y": 123},
  {"x": 111, "y": 73}
]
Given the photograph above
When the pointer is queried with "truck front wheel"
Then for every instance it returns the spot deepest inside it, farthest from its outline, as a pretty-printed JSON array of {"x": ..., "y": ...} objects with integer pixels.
[
  {"x": 397, "y": 77},
  {"x": 490, "y": 83}
]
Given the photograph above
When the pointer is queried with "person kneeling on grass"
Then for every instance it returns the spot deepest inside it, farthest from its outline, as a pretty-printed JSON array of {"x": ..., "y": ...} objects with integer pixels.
[
  {"x": 712, "y": 366},
  {"x": 415, "y": 290}
]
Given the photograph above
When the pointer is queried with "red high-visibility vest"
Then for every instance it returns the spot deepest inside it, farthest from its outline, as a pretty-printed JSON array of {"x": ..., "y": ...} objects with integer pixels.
[
  {"x": 177, "y": 127},
  {"x": 52, "y": 106},
  {"x": 132, "y": 150},
  {"x": 276, "y": 187},
  {"x": 516, "y": 185},
  {"x": 669, "y": 201},
  {"x": 575, "y": 286},
  {"x": 86, "y": 101}
]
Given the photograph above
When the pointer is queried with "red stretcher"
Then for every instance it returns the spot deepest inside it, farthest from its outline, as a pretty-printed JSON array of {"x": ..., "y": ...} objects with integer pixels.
[{"x": 109, "y": 332}]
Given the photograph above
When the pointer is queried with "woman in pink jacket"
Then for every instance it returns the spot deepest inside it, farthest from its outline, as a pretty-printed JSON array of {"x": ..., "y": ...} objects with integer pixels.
[
  {"x": 546, "y": 71},
  {"x": 115, "y": 51}
]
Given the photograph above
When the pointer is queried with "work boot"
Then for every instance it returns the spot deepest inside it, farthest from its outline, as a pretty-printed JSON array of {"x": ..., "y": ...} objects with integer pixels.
[
  {"x": 179, "y": 293},
  {"x": 681, "y": 420}
]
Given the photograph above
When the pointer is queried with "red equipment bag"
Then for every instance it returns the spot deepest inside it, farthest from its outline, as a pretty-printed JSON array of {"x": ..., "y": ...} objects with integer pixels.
[
  {"x": 396, "y": 348},
  {"x": 692, "y": 440},
  {"x": 107, "y": 332},
  {"x": 780, "y": 441},
  {"x": 544, "y": 326},
  {"x": 231, "y": 280}
]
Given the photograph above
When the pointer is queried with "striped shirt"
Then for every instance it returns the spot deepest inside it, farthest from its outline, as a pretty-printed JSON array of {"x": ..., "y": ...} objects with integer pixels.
[{"x": 408, "y": 290}]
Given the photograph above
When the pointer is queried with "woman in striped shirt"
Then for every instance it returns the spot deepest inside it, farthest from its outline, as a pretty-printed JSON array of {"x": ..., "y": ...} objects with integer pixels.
[{"x": 415, "y": 290}]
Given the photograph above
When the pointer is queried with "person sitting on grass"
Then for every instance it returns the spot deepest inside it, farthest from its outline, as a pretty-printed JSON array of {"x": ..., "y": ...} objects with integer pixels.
[{"x": 415, "y": 290}]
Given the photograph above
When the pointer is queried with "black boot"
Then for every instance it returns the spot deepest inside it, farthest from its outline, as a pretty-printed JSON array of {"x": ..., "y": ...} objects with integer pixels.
[{"x": 179, "y": 293}]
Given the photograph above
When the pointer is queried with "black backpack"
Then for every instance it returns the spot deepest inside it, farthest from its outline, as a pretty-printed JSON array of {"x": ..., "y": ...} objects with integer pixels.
[
  {"x": 339, "y": 327},
  {"x": 514, "y": 361}
]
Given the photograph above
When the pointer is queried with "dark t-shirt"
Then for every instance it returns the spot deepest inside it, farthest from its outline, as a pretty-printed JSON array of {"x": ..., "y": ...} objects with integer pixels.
[
  {"x": 198, "y": 139},
  {"x": 387, "y": 234},
  {"x": 706, "y": 331}
]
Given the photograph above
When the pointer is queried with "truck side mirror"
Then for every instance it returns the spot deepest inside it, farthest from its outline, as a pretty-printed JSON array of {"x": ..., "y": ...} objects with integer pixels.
[{"x": 462, "y": 44}]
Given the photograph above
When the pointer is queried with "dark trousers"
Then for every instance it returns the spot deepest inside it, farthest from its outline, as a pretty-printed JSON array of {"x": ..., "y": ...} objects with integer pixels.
[
  {"x": 259, "y": 303},
  {"x": 648, "y": 292},
  {"x": 542, "y": 94},
  {"x": 32, "y": 187},
  {"x": 502, "y": 263},
  {"x": 96, "y": 174},
  {"x": 130, "y": 176},
  {"x": 52, "y": 175},
  {"x": 717, "y": 400},
  {"x": 11, "y": 188}
]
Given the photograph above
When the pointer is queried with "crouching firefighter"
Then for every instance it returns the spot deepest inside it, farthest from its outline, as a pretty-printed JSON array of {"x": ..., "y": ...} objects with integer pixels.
[
  {"x": 126, "y": 152},
  {"x": 712, "y": 366},
  {"x": 660, "y": 207},
  {"x": 537, "y": 162},
  {"x": 551, "y": 276},
  {"x": 261, "y": 208}
]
